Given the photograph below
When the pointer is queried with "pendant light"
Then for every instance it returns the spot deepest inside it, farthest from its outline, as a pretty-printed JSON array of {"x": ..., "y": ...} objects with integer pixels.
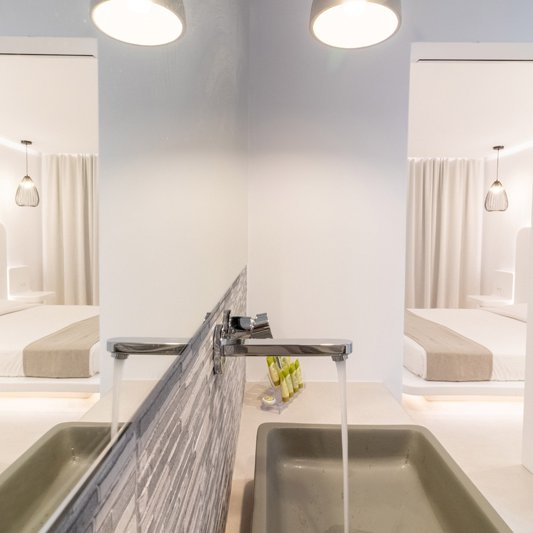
[
  {"x": 354, "y": 23},
  {"x": 496, "y": 199},
  {"x": 143, "y": 22},
  {"x": 27, "y": 194}
]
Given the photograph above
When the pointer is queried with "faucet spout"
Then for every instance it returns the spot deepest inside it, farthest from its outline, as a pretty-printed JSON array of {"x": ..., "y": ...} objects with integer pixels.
[
  {"x": 338, "y": 349},
  {"x": 123, "y": 347}
]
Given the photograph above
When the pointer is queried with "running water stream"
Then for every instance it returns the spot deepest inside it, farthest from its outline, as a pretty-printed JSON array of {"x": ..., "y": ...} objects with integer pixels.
[
  {"x": 117, "y": 380},
  {"x": 341, "y": 373}
]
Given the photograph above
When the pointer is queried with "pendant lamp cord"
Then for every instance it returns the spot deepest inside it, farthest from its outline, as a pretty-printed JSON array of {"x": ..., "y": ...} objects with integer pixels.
[
  {"x": 26, "y": 159},
  {"x": 497, "y": 164}
]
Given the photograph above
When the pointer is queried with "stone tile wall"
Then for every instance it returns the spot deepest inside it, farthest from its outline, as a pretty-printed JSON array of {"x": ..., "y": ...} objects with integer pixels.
[{"x": 171, "y": 470}]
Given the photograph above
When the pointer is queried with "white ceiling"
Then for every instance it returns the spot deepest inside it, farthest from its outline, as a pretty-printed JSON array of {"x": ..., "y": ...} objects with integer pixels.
[
  {"x": 51, "y": 101},
  {"x": 463, "y": 109}
]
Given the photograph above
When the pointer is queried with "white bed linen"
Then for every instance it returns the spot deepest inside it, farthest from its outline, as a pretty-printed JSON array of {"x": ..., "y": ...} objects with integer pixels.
[
  {"x": 20, "y": 328},
  {"x": 504, "y": 337},
  {"x": 9, "y": 306}
]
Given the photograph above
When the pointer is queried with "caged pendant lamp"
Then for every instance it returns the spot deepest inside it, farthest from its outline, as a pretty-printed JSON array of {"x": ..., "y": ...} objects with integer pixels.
[
  {"x": 27, "y": 194},
  {"x": 354, "y": 23},
  {"x": 496, "y": 199},
  {"x": 142, "y": 22}
]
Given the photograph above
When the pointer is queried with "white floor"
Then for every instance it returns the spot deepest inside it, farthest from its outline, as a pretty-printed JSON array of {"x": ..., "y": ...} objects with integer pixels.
[
  {"x": 24, "y": 419},
  {"x": 484, "y": 437}
]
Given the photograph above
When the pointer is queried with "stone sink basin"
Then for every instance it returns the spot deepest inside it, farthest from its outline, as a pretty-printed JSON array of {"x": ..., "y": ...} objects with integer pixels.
[
  {"x": 401, "y": 480},
  {"x": 34, "y": 486}
]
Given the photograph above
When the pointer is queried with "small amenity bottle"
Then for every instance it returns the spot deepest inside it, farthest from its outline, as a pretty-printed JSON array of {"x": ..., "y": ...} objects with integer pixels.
[
  {"x": 288, "y": 379},
  {"x": 273, "y": 371},
  {"x": 285, "y": 360},
  {"x": 299, "y": 373},
  {"x": 285, "y": 396},
  {"x": 294, "y": 377}
]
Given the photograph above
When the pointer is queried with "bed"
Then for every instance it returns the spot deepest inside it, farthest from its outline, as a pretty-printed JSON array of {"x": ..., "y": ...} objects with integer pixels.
[
  {"x": 470, "y": 351},
  {"x": 46, "y": 348},
  {"x": 501, "y": 330}
]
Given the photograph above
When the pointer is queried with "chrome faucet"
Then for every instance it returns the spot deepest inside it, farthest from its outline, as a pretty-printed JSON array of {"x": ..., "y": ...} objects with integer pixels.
[
  {"x": 251, "y": 337},
  {"x": 123, "y": 347}
]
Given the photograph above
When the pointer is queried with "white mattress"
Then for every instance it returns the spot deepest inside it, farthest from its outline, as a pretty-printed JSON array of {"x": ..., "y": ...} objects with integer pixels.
[
  {"x": 505, "y": 337},
  {"x": 23, "y": 324}
]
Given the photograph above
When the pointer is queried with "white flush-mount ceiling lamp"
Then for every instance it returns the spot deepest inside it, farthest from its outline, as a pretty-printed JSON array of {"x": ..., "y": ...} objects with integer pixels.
[
  {"x": 354, "y": 23},
  {"x": 27, "y": 194},
  {"x": 496, "y": 199},
  {"x": 143, "y": 22}
]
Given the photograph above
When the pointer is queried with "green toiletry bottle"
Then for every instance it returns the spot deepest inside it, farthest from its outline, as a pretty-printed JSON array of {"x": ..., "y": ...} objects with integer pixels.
[
  {"x": 273, "y": 371},
  {"x": 299, "y": 374},
  {"x": 294, "y": 378},
  {"x": 284, "y": 387},
  {"x": 288, "y": 379}
]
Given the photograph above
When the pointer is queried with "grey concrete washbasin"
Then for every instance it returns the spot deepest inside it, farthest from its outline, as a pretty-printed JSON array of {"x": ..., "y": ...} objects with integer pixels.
[
  {"x": 34, "y": 486},
  {"x": 401, "y": 480}
]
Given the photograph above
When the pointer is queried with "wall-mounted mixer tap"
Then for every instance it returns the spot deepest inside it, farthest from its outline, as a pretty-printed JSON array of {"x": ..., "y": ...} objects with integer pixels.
[{"x": 233, "y": 338}]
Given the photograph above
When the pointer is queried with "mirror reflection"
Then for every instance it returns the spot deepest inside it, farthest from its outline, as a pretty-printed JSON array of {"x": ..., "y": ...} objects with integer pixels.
[
  {"x": 467, "y": 265},
  {"x": 49, "y": 331}
]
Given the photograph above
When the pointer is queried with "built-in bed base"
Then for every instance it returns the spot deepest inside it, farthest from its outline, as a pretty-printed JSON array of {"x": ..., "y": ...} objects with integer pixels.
[
  {"x": 416, "y": 385},
  {"x": 49, "y": 385}
]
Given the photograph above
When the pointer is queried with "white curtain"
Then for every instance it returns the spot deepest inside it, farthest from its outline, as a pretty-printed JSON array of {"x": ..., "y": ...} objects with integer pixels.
[
  {"x": 444, "y": 223},
  {"x": 70, "y": 228}
]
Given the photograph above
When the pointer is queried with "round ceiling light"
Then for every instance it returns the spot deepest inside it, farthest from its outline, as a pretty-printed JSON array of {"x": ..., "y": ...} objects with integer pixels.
[
  {"x": 354, "y": 23},
  {"x": 143, "y": 22}
]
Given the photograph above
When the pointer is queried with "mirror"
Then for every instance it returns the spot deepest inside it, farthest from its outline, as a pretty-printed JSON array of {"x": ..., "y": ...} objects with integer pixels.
[
  {"x": 172, "y": 177},
  {"x": 49, "y": 252},
  {"x": 463, "y": 262}
]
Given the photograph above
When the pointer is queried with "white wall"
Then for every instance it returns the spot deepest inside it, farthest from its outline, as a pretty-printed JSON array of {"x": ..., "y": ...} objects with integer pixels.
[
  {"x": 23, "y": 224},
  {"x": 500, "y": 228},
  {"x": 328, "y": 174},
  {"x": 173, "y": 175}
]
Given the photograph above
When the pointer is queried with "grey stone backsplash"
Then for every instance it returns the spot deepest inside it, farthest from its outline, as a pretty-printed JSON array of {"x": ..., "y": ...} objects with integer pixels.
[{"x": 171, "y": 469}]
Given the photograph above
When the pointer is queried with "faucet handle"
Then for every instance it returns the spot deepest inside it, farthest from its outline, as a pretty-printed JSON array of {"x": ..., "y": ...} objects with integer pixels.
[
  {"x": 241, "y": 324},
  {"x": 261, "y": 327},
  {"x": 249, "y": 327},
  {"x": 237, "y": 328}
]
